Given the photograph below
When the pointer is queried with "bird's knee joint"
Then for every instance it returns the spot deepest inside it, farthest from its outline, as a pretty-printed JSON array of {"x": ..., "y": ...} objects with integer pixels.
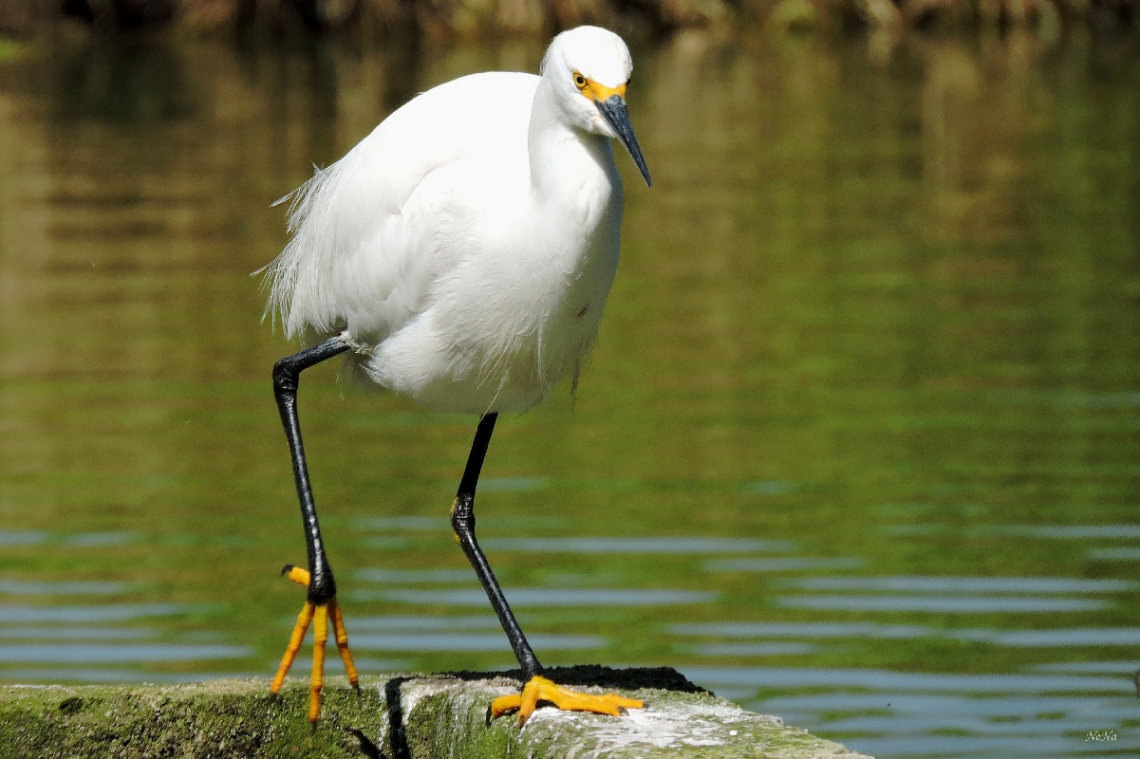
[
  {"x": 285, "y": 377},
  {"x": 463, "y": 515}
]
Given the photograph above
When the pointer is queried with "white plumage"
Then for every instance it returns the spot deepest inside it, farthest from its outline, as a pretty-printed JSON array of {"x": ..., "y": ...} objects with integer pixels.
[
  {"x": 466, "y": 247},
  {"x": 461, "y": 255}
]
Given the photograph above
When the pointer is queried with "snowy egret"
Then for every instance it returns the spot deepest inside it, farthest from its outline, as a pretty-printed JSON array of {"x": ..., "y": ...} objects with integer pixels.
[{"x": 460, "y": 255}]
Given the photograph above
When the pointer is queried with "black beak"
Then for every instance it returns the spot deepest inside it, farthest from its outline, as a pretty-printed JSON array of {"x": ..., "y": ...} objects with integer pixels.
[{"x": 614, "y": 111}]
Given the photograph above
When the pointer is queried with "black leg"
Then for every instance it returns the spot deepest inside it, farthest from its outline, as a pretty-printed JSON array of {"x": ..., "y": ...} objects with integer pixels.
[
  {"x": 463, "y": 522},
  {"x": 286, "y": 378},
  {"x": 321, "y": 607}
]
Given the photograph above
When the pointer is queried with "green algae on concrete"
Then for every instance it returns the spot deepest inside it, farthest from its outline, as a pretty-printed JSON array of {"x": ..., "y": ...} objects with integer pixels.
[
  {"x": 219, "y": 718},
  {"x": 397, "y": 717}
]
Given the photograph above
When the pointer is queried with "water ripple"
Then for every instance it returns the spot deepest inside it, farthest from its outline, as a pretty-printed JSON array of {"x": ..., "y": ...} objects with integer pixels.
[
  {"x": 481, "y": 642},
  {"x": 544, "y": 597},
  {"x": 965, "y": 584},
  {"x": 77, "y": 587},
  {"x": 108, "y": 613},
  {"x": 95, "y": 653},
  {"x": 782, "y": 564},
  {"x": 995, "y": 604},
  {"x": 679, "y": 545}
]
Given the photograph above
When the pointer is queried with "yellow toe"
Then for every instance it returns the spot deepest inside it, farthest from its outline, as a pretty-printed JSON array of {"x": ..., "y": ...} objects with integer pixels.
[{"x": 542, "y": 690}]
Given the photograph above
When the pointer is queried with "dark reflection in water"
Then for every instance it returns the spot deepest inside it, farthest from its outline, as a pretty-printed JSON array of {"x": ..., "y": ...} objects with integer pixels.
[{"x": 858, "y": 446}]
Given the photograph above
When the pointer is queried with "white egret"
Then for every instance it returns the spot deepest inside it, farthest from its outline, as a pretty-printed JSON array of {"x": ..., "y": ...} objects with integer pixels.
[{"x": 460, "y": 255}]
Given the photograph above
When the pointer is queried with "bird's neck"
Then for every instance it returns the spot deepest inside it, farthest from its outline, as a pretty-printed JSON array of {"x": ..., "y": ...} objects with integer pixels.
[{"x": 563, "y": 156}]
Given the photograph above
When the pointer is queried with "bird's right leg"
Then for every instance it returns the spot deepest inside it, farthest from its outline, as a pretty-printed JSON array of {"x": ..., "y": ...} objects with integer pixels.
[
  {"x": 536, "y": 688},
  {"x": 321, "y": 606}
]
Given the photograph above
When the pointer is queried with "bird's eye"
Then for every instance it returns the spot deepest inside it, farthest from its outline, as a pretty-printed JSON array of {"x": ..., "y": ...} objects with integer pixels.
[{"x": 579, "y": 81}]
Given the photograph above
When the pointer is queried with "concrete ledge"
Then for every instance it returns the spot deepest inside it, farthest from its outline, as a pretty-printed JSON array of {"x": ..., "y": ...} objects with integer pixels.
[{"x": 397, "y": 717}]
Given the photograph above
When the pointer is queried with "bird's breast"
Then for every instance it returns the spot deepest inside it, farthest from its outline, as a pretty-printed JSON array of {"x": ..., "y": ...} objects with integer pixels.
[{"x": 520, "y": 273}]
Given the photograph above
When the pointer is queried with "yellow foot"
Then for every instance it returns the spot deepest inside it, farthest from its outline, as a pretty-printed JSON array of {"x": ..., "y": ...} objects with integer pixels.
[
  {"x": 541, "y": 690},
  {"x": 319, "y": 615}
]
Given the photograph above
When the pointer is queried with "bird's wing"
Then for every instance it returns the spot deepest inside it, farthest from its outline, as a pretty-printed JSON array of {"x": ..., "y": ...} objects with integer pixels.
[{"x": 367, "y": 230}]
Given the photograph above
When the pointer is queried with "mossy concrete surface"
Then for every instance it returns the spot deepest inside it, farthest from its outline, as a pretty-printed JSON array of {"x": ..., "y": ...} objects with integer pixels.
[
  {"x": 397, "y": 717},
  {"x": 219, "y": 718}
]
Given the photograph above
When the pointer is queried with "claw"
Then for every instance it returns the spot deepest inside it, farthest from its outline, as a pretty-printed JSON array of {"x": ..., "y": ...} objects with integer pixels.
[{"x": 540, "y": 689}]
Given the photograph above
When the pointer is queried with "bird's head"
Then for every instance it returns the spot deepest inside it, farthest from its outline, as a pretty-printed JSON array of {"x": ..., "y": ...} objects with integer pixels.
[{"x": 590, "y": 69}]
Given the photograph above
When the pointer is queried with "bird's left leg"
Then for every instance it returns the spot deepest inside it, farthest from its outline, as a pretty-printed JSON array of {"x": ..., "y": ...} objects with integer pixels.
[
  {"x": 320, "y": 607},
  {"x": 536, "y": 687}
]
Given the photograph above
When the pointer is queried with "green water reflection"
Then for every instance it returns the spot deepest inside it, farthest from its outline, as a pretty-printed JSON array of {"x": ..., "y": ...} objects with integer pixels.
[{"x": 876, "y": 331}]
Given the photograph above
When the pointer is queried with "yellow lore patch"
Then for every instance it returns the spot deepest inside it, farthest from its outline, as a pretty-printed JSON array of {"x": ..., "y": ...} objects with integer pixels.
[{"x": 597, "y": 92}]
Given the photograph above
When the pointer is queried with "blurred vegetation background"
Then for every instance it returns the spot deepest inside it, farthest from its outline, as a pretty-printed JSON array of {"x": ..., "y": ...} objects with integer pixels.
[{"x": 489, "y": 17}]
